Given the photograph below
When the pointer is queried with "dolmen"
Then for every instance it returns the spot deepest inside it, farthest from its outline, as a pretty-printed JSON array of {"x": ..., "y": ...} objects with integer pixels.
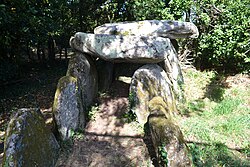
[{"x": 155, "y": 89}]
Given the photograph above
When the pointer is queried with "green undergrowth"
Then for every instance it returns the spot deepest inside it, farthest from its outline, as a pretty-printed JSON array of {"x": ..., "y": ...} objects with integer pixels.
[
  {"x": 92, "y": 112},
  {"x": 215, "y": 120},
  {"x": 36, "y": 87}
]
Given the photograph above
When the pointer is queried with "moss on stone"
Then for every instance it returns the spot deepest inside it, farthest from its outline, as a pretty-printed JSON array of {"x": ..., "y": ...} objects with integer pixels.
[
  {"x": 164, "y": 125},
  {"x": 62, "y": 84},
  {"x": 165, "y": 133},
  {"x": 140, "y": 24},
  {"x": 124, "y": 33},
  {"x": 157, "y": 103},
  {"x": 29, "y": 142}
]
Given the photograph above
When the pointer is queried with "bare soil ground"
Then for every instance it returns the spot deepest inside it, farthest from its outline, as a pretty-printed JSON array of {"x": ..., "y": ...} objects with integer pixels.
[{"x": 109, "y": 140}]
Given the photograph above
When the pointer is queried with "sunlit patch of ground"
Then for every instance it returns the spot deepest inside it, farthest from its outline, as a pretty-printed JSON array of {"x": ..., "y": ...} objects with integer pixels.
[
  {"x": 215, "y": 118},
  {"x": 109, "y": 139}
]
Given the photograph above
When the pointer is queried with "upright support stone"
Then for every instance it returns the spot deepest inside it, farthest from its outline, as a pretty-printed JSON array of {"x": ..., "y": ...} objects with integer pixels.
[
  {"x": 82, "y": 67},
  {"x": 172, "y": 67},
  {"x": 29, "y": 142},
  {"x": 168, "y": 140},
  {"x": 148, "y": 82},
  {"x": 162, "y": 28},
  {"x": 67, "y": 108}
]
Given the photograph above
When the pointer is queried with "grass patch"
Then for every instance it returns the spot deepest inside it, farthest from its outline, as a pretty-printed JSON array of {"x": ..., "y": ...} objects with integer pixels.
[
  {"x": 215, "y": 120},
  {"x": 227, "y": 106},
  {"x": 215, "y": 155}
]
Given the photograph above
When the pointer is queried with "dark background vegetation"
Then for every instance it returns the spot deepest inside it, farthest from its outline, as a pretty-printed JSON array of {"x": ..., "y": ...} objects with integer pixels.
[
  {"x": 35, "y": 30},
  {"x": 34, "y": 47}
]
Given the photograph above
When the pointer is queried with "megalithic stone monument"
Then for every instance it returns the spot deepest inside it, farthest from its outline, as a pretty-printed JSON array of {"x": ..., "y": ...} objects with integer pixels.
[{"x": 163, "y": 28}]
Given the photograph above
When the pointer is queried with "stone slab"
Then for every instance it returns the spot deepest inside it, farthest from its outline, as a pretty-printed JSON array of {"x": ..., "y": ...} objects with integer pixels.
[
  {"x": 162, "y": 28},
  {"x": 118, "y": 48}
]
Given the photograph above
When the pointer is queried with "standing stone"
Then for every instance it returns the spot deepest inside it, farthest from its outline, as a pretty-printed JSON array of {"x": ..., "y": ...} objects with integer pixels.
[
  {"x": 148, "y": 82},
  {"x": 29, "y": 142},
  {"x": 117, "y": 48},
  {"x": 172, "y": 67},
  {"x": 82, "y": 67},
  {"x": 67, "y": 107},
  {"x": 167, "y": 138},
  {"x": 162, "y": 28}
]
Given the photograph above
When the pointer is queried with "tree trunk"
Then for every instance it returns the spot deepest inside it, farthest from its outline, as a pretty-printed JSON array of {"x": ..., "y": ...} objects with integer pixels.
[
  {"x": 38, "y": 52},
  {"x": 43, "y": 54},
  {"x": 51, "y": 49},
  {"x": 66, "y": 53},
  {"x": 28, "y": 50}
]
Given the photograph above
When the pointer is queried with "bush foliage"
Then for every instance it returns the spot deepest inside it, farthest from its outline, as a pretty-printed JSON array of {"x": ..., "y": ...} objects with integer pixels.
[
  {"x": 223, "y": 44},
  {"x": 225, "y": 40}
]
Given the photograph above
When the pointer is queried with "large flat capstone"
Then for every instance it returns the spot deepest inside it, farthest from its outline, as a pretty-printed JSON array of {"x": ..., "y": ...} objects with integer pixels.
[
  {"x": 162, "y": 28},
  {"x": 29, "y": 142},
  {"x": 118, "y": 48}
]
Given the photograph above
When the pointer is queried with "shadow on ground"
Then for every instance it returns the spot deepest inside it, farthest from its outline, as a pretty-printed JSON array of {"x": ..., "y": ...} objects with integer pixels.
[
  {"x": 216, "y": 88},
  {"x": 109, "y": 139},
  {"x": 217, "y": 154}
]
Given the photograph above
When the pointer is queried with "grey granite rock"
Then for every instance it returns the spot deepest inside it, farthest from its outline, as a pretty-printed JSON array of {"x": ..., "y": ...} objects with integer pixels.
[
  {"x": 172, "y": 67},
  {"x": 67, "y": 108},
  {"x": 148, "y": 82},
  {"x": 162, "y": 28},
  {"x": 117, "y": 48},
  {"x": 82, "y": 67},
  {"x": 29, "y": 142}
]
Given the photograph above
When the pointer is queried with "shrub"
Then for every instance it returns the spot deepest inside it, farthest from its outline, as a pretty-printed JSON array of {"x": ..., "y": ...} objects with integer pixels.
[{"x": 225, "y": 40}]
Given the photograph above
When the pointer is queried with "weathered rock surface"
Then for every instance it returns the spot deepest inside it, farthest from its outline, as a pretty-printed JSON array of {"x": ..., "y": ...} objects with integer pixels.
[
  {"x": 162, "y": 28},
  {"x": 67, "y": 107},
  {"x": 172, "y": 67},
  {"x": 29, "y": 142},
  {"x": 117, "y": 48},
  {"x": 148, "y": 82},
  {"x": 82, "y": 67},
  {"x": 167, "y": 137}
]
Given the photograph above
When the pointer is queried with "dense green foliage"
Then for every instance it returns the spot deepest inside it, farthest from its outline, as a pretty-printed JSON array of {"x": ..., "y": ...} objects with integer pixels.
[
  {"x": 225, "y": 39},
  {"x": 30, "y": 23},
  {"x": 34, "y": 26}
]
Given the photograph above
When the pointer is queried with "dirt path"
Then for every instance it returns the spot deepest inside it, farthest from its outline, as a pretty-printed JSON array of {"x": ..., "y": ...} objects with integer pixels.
[{"x": 109, "y": 141}]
